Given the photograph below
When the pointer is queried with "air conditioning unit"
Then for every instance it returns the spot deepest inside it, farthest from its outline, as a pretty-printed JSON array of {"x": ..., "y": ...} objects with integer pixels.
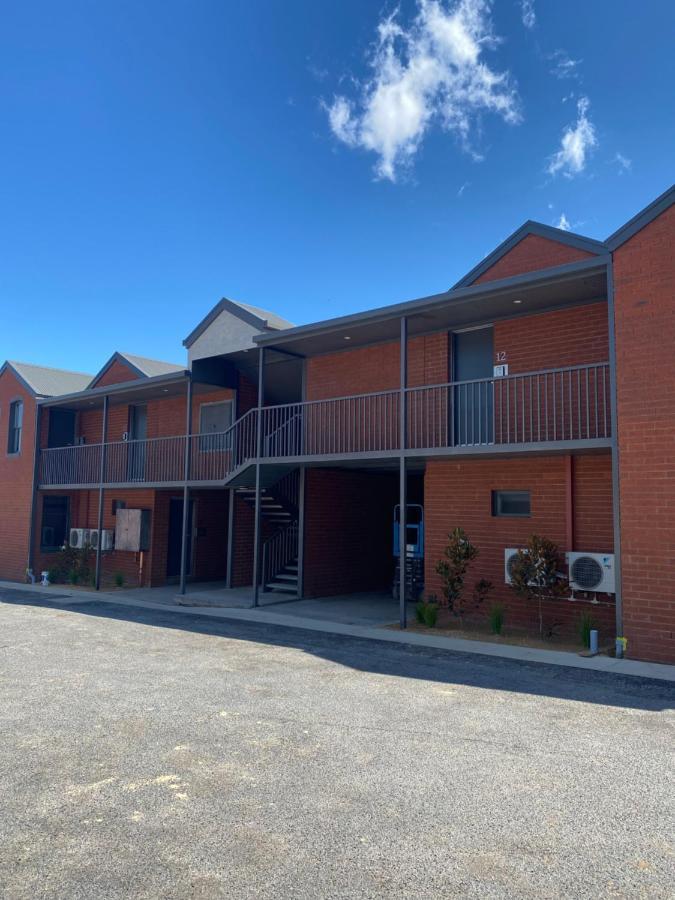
[
  {"x": 79, "y": 538},
  {"x": 106, "y": 539},
  {"x": 591, "y": 572},
  {"x": 510, "y": 555}
]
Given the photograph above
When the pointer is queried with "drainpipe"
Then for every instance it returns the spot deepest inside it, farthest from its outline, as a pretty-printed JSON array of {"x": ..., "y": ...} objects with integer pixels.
[
  {"x": 301, "y": 531},
  {"x": 101, "y": 478},
  {"x": 186, "y": 490},
  {"x": 34, "y": 489},
  {"x": 403, "y": 500},
  {"x": 569, "y": 503},
  {"x": 257, "y": 530},
  {"x": 231, "y": 499},
  {"x": 616, "y": 497}
]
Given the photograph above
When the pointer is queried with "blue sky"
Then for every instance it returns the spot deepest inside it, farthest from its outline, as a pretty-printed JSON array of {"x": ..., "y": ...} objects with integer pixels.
[{"x": 312, "y": 158}]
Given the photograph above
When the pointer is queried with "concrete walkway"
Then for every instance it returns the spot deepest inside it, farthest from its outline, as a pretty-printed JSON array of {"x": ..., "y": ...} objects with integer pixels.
[{"x": 341, "y": 615}]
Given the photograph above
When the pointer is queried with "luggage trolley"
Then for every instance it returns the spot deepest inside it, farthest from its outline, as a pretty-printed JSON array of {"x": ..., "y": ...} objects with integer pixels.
[{"x": 414, "y": 561}]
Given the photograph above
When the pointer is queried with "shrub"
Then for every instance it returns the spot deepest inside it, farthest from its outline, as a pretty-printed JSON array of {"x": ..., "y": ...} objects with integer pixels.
[
  {"x": 55, "y": 574},
  {"x": 73, "y": 576},
  {"x": 586, "y": 625},
  {"x": 426, "y": 612},
  {"x": 457, "y": 555},
  {"x": 535, "y": 575},
  {"x": 119, "y": 579},
  {"x": 496, "y": 618}
]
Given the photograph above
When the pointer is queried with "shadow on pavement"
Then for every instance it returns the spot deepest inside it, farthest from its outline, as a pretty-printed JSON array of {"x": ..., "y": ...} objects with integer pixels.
[{"x": 399, "y": 660}]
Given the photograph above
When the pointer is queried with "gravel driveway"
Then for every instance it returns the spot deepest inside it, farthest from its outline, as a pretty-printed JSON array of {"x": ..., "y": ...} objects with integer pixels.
[{"x": 157, "y": 754}]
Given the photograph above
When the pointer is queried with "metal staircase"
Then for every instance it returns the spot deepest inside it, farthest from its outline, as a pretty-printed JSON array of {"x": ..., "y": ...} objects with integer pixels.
[{"x": 279, "y": 507}]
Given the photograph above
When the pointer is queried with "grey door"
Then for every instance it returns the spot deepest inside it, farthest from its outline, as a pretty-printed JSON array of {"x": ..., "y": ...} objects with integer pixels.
[
  {"x": 138, "y": 432},
  {"x": 473, "y": 396}
]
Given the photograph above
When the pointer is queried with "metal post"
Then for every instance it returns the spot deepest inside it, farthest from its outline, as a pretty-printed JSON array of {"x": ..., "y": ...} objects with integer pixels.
[
  {"x": 186, "y": 490},
  {"x": 616, "y": 497},
  {"x": 403, "y": 500},
  {"x": 257, "y": 529},
  {"x": 231, "y": 500},
  {"x": 33, "y": 501},
  {"x": 99, "y": 525},
  {"x": 301, "y": 532}
]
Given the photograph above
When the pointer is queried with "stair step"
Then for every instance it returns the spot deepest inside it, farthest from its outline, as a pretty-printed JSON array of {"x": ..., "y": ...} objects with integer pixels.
[
  {"x": 282, "y": 587},
  {"x": 286, "y": 576}
]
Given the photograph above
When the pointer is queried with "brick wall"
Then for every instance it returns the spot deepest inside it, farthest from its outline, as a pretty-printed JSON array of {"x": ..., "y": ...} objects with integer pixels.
[
  {"x": 16, "y": 479},
  {"x": 532, "y": 253},
  {"x": 117, "y": 373},
  {"x": 348, "y": 528},
  {"x": 566, "y": 337},
  {"x": 460, "y": 494},
  {"x": 644, "y": 279}
]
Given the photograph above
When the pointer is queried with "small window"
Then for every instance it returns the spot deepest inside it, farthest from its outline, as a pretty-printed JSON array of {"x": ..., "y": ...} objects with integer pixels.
[
  {"x": 118, "y": 504},
  {"x": 54, "y": 530},
  {"x": 511, "y": 503},
  {"x": 15, "y": 426}
]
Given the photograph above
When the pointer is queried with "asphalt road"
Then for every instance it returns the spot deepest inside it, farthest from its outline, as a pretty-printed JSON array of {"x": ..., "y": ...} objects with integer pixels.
[{"x": 154, "y": 754}]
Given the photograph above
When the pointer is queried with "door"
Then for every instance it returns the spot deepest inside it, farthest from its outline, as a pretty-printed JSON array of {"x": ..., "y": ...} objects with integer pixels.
[
  {"x": 61, "y": 428},
  {"x": 138, "y": 432},
  {"x": 473, "y": 398},
  {"x": 175, "y": 537}
]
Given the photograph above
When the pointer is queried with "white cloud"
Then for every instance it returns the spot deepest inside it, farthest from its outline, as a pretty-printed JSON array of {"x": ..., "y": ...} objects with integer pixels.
[
  {"x": 431, "y": 71},
  {"x": 564, "y": 66},
  {"x": 463, "y": 188},
  {"x": 622, "y": 162},
  {"x": 577, "y": 142},
  {"x": 563, "y": 222},
  {"x": 527, "y": 13}
]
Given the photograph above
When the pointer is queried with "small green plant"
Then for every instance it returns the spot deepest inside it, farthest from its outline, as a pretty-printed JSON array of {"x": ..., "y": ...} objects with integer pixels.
[
  {"x": 497, "y": 618},
  {"x": 426, "y": 612},
  {"x": 54, "y": 574},
  {"x": 119, "y": 579},
  {"x": 73, "y": 576},
  {"x": 586, "y": 625}
]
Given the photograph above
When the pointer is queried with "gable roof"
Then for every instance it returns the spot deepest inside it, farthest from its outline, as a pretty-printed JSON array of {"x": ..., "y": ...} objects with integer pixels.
[
  {"x": 578, "y": 241},
  {"x": 644, "y": 217},
  {"x": 44, "y": 381},
  {"x": 261, "y": 319},
  {"x": 141, "y": 366}
]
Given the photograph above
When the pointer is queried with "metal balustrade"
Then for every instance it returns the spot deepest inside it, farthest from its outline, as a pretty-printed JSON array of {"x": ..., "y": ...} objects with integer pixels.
[
  {"x": 279, "y": 551},
  {"x": 551, "y": 406}
]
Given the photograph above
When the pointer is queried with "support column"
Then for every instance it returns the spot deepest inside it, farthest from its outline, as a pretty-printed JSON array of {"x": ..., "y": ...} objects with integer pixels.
[
  {"x": 616, "y": 498},
  {"x": 34, "y": 491},
  {"x": 301, "y": 532},
  {"x": 101, "y": 478},
  {"x": 257, "y": 528},
  {"x": 186, "y": 490},
  {"x": 231, "y": 500},
  {"x": 403, "y": 493}
]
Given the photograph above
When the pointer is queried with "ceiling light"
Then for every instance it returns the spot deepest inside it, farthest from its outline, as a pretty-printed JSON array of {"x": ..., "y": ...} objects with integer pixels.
[
  {"x": 517, "y": 301},
  {"x": 347, "y": 337}
]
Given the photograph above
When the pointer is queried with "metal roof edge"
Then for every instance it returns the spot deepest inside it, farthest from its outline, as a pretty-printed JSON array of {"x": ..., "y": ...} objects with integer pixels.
[
  {"x": 570, "y": 238},
  {"x": 119, "y": 388},
  {"x": 641, "y": 219},
  {"x": 224, "y": 304},
  {"x": 455, "y": 295}
]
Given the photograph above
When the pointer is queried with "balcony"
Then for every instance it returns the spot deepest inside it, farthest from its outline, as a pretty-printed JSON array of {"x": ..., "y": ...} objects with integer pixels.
[{"x": 540, "y": 411}]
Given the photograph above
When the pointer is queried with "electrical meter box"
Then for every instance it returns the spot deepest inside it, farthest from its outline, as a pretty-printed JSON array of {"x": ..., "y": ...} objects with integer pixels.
[{"x": 132, "y": 530}]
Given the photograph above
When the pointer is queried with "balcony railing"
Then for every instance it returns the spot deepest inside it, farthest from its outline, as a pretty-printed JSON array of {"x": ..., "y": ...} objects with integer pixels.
[{"x": 547, "y": 407}]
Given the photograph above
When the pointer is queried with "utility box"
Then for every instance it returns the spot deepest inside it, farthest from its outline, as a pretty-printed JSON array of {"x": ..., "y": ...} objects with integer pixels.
[{"x": 132, "y": 530}]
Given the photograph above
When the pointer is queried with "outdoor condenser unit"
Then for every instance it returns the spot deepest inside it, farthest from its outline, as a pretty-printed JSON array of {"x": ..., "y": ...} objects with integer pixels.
[
  {"x": 510, "y": 555},
  {"x": 591, "y": 572},
  {"x": 106, "y": 539},
  {"x": 79, "y": 538}
]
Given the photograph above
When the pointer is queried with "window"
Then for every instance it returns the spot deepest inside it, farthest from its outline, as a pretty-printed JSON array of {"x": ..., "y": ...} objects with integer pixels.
[
  {"x": 118, "y": 504},
  {"x": 15, "y": 424},
  {"x": 54, "y": 531},
  {"x": 511, "y": 503},
  {"x": 214, "y": 419}
]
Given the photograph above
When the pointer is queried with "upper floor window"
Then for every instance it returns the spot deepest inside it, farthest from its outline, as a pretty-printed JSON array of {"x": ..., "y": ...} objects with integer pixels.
[
  {"x": 15, "y": 426},
  {"x": 511, "y": 503}
]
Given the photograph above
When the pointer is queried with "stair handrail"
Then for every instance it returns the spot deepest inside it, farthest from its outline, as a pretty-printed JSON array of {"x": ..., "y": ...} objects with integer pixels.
[{"x": 279, "y": 550}]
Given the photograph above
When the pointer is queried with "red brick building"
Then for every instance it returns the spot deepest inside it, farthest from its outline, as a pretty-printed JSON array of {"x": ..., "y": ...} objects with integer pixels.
[{"x": 535, "y": 396}]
